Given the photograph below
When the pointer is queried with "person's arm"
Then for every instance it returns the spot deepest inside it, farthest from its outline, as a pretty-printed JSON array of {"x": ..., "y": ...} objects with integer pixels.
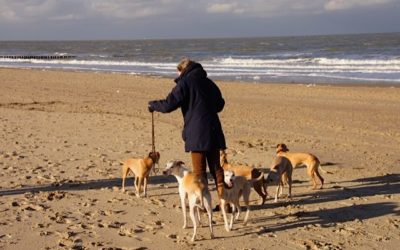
[
  {"x": 220, "y": 102},
  {"x": 172, "y": 102}
]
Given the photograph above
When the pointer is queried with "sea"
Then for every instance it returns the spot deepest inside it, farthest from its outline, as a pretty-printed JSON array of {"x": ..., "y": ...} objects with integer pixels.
[{"x": 328, "y": 59}]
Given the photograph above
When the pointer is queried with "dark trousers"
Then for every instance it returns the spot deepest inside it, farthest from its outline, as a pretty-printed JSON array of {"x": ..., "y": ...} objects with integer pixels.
[{"x": 200, "y": 161}]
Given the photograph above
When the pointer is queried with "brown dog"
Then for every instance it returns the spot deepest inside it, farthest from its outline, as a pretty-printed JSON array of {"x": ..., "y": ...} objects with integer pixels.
[
  {"x": 298, "y": 159},
  {"x": 251, "y": 174},
  {"x": 140, "y": 169},
  {"x": 281, "y": 173}
]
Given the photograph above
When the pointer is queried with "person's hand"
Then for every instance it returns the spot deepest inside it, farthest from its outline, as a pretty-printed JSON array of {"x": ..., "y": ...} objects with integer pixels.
[{"x": 151, "y": 110}]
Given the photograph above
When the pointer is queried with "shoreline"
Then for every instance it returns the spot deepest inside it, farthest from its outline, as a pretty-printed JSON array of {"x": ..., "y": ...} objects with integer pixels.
[
  {"x": 339, "y": 84},
  {"x": 63, "y": 135}
]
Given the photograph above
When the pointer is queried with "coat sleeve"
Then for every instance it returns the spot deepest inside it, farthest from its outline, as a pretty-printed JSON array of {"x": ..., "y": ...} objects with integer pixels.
[
  {"x": 172, "y": 102},
  {"x": 220, "y": 102}
]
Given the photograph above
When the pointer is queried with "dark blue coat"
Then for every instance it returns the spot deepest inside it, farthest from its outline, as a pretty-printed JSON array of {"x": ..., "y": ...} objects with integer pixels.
[{"x": 200, "y": 101}]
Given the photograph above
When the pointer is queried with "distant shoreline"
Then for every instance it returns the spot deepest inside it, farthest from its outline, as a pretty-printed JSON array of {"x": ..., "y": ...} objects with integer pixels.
[{"x": 308, "y": 84}]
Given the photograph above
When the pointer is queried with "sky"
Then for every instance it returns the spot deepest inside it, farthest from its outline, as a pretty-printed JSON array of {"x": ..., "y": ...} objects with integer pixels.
[{"x": 159, "y": 19}]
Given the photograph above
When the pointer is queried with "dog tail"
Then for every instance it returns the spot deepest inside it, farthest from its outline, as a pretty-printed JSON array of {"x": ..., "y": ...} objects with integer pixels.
[
  {"x": 259, "y": 178},
  {"x": 201, "y": 198},
  {"x": 323, "y": 170}
]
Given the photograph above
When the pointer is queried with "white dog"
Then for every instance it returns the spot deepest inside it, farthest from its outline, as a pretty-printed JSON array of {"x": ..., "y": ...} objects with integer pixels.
[
  {"x": 236, "y": 186},
  {"x": 192, "y": 186}
]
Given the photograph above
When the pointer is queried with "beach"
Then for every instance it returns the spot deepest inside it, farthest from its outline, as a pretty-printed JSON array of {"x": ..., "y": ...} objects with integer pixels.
[{"x": 63, "y": 135}]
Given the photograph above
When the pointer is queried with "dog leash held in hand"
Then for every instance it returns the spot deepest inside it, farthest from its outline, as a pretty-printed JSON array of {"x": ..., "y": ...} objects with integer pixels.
[{"x": 153, "y": 144}]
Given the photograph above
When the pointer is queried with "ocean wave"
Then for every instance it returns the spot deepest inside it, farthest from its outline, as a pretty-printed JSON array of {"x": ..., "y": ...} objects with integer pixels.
[
  {"x": 305, "y": 61},
  {"x": 238, "y": 68},
  {"x": 245, "y": 65}
]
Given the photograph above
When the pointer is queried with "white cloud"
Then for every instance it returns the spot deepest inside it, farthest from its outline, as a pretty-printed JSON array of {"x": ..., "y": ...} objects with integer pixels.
[
  {"x": 221, "y": 7},
  {"x": 8, "y": 14},
  {"x": 333, "y": 5},
  {"x": 125, "y": 9},
  {"x": 34, "y": 10}
]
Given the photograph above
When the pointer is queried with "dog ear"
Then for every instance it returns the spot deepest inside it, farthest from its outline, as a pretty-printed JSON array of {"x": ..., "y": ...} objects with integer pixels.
[{"x": 180, "y": 163}]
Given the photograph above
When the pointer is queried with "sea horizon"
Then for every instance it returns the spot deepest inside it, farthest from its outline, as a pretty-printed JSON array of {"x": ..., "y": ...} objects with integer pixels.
[{"x": 332, "y": 59}]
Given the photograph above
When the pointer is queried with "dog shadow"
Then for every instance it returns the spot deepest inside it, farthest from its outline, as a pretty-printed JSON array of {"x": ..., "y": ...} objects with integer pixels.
[
  {"x": 329, "y": 217},
  {"x": 84, "y": 185},
  {"x": 358, "y": 189},
  {"x": 351, "y": 189}
]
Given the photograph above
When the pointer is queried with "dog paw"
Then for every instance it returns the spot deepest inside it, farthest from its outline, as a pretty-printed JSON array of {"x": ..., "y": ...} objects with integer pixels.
[
  {"x": 212, "y": 236},
  {"x": 227, "y": 229}
]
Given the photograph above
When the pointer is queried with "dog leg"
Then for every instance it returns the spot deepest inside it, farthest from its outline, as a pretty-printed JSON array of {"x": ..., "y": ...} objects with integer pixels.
[
  {"x": 277, "y": 191},
  {"x": 125, "y": 171},
  {"x": 311, "y": 173},
  {"x": 135, "y": 183},
  {"x": 198, "y": 215},
  {"x": 223, "y": 209},
  {"x": 320, "y": 178},
  {"x": 233, "y": 206},
  {"x": 239, "y": 210},
  {"x": 192, "y": 204},
  {"x": 281, "y": 189},
  {"x": 208, "y": 207},
  {"x": 314, "y": 179},
  {"x": 182, "y": 195},
  {"x": 146, "y": 179},
  {"x": 246, "y": 198},
  {"x": 139, "y": 186},
  {"x": 258, "y": 188}
]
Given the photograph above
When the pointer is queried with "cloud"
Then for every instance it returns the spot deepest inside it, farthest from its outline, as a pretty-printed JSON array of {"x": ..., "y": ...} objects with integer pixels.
[
  {"x": 221, "y": 8},
  {"x": 34, "y": 10},
  {"x": 334, "y": 5}
]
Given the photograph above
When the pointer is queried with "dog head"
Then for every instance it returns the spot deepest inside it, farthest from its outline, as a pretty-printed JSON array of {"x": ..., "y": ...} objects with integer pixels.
[
  {"x": 229, "y": 178},
  {"x": 281, "y": 148},
  {"x": 222, "y": 157},
  {"x": 174, "y": 168},
  {"x": 155, "y": 156}
]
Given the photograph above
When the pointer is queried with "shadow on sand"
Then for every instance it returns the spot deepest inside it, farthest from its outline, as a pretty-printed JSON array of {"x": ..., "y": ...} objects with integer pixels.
[
  {"x": 354, "y": 189},
  {"x": 84, "y": 185}
]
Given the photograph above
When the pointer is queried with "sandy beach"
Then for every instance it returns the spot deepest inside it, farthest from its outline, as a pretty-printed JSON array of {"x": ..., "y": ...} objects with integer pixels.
[{"x": 63, "y": 135}]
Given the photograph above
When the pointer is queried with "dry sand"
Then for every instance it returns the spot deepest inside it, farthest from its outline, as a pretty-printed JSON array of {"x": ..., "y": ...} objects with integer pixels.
[{"x": 62, "y": 135}]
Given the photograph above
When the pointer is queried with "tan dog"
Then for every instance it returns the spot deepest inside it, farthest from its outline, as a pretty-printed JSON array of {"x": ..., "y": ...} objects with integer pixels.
[
  {"x": 236, "y": 186},
  {"x": 251, "y": 174},
  {"x": 298, "y": 159},
  {"x": 141, "y": 171},
  {"x": 281, "y": 173},
  {"x": 195, "y": 189}
]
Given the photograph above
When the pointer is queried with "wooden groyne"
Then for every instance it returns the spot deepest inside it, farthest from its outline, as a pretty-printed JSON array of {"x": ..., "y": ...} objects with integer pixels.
[{"x": 43, "y": 57}]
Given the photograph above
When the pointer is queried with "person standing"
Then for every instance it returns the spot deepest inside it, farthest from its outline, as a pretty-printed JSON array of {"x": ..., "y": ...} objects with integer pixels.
[{"x": 200, "y": 101}]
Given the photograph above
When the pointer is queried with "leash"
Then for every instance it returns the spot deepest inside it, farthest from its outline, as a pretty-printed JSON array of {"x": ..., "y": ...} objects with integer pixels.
[{"x": 153, "y": 143}]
